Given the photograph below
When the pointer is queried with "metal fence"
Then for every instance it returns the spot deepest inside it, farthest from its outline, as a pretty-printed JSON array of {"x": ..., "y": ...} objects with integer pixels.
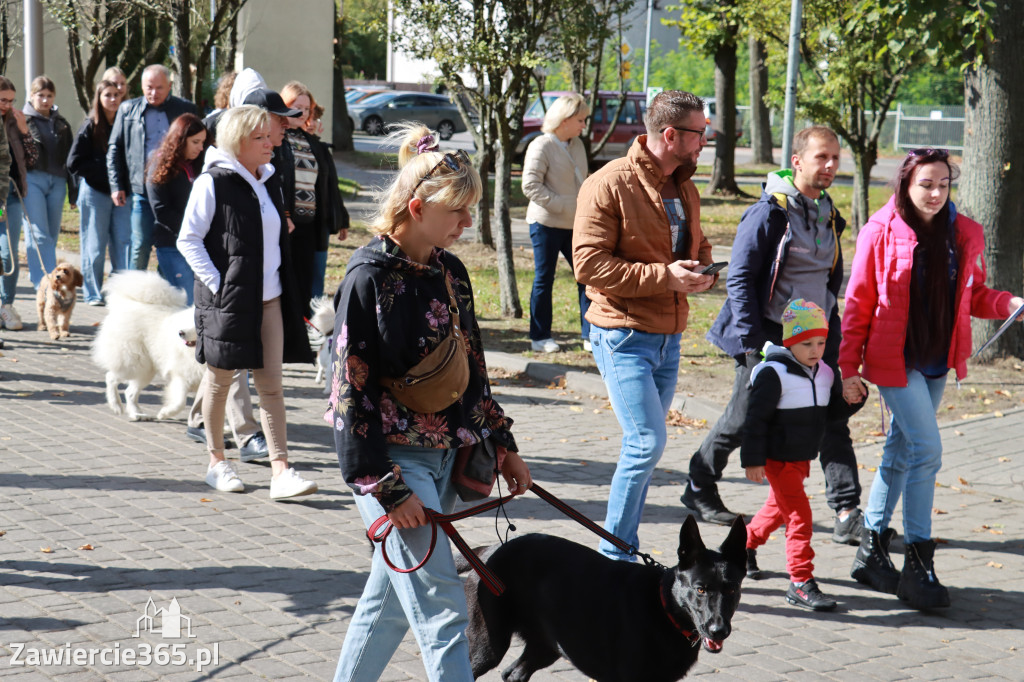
[
  {"x": 910, "y": 126},
  {"x": 939, "y": 126}
]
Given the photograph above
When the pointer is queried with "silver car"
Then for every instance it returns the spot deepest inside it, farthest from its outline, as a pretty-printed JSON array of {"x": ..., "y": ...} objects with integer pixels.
[{"x": 375, "y": 114}]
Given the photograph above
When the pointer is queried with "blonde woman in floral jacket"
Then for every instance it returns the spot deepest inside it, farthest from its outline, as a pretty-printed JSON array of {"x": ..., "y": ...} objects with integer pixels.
[{"x": 393, "y": 309}]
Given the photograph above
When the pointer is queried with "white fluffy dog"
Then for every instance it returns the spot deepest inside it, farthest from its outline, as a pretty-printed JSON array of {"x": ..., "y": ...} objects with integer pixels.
[
  {"x": 148, "y": 332},
  {"x": 323, "y": 321}
]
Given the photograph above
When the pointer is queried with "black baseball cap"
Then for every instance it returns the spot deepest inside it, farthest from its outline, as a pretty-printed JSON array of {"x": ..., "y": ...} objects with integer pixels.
[{"x": 265, "y": 98}]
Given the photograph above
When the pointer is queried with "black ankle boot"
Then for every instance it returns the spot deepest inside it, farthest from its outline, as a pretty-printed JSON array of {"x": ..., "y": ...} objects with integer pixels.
[
  {"x": 753, "y": 572},
  {"x": 872, "y": 565},
  {"x": 918, "y": 585}
]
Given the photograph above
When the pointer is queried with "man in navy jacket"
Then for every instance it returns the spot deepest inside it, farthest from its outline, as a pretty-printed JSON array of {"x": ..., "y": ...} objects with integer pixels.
[{"x": 786, "y": 247}]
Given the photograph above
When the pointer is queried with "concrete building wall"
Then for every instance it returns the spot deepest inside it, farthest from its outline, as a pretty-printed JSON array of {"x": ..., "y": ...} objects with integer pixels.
[
  {"x": 56, "y": 66},
  {"x": 291, "y": 40},
  {"x": 284, "y": 41}
]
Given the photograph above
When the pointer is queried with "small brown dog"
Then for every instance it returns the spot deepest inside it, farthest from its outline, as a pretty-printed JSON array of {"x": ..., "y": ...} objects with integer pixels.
[{"x": 56, "y": 299}]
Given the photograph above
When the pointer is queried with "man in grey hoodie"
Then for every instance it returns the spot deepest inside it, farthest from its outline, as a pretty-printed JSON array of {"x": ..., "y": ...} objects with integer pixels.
[{"x": 787, "y": 247}]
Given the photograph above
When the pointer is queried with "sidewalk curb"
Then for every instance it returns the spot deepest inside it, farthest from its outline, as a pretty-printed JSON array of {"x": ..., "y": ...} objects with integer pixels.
[{"x": 591, "y": 383}]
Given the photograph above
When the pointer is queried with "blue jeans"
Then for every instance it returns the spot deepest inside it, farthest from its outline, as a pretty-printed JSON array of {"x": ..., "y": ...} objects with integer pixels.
[
  {"x": 44, "y": 205},
  {"x": 102, "y": 225},
  {"x": 548, "y": 242},
  {"x": 142, "y": 232},
  {"x": 640, "y": 370},
  {"x": 174, "y": 268},
  {"x": 911, "y": 458},
  {"x": 319, "y": 272},
  {"x": 10, "y": 233},
  {"x": 431, "y": 599}
]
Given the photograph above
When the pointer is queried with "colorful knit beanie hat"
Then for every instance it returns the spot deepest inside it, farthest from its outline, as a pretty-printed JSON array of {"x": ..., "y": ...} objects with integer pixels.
[{"x": 802, "y": 320}]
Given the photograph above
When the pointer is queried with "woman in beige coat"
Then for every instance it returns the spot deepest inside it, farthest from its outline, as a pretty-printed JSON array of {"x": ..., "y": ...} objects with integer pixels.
[{"x": 553, "y": 171}]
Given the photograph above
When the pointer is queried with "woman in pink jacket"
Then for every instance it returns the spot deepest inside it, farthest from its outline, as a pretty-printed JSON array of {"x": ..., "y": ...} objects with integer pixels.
[{"x": 917, "y": 278}]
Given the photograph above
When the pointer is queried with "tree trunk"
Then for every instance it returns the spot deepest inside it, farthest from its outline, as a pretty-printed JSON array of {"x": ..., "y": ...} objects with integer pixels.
[
  {"x": 760, "y": 123},
  {"x": 992, "y": 185},
  {"x": 484, "y": 159},
  {"x": 861, "y": 182},
  {"x": 510, "y": 306},
  {"x": 723, "y": 174},
  {"x": 341, "y": 125},
  {"x": 182, "y": 37}
]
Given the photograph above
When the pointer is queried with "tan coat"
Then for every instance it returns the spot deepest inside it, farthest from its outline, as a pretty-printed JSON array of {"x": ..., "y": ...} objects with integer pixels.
[
  {"x": 622, "y": 245},
  {"x": 552, "y": 176}
]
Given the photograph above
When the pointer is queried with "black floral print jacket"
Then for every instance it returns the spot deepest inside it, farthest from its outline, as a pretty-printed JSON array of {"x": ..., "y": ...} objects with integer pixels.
[{"x": 391, "y": 312}]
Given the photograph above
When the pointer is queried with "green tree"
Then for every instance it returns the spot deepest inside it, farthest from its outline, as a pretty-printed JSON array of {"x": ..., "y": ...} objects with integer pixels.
[
  {"x": 855, "y": 56},
  {"x": 588, "y": 34},
  {"x": 713, "y": 27},
  {"x": 362, "y": 39},
  {"x": 499, "y": 43}
]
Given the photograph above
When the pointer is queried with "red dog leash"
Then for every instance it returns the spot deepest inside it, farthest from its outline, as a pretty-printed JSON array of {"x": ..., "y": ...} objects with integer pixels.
[{"x": 381, "y": 528}]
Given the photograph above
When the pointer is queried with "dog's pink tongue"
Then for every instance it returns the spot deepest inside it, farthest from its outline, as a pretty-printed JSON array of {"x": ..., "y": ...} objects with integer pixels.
[{"x": 712, "y": 645}]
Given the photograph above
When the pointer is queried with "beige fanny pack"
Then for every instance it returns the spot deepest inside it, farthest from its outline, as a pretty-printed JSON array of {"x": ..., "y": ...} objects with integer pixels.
[{"x": 439, "y": 379}]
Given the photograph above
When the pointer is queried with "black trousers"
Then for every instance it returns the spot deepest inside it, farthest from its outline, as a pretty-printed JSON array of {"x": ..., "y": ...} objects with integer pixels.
[{"x": 838, "y": 460}]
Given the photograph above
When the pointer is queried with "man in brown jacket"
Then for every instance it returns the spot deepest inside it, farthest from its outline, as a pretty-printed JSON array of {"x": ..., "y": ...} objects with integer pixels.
[{"x": 639, "y": 249}]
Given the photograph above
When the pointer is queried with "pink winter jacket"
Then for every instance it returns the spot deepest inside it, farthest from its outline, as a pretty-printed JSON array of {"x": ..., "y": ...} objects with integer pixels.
[{"x": 878, "y": 298}]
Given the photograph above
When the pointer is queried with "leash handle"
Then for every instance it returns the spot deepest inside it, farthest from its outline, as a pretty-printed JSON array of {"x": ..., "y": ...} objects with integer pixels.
[{"x": 380, "y": 529}]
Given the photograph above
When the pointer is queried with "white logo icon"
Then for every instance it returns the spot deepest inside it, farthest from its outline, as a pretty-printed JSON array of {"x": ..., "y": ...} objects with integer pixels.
[{"x": 166, "y": 622}]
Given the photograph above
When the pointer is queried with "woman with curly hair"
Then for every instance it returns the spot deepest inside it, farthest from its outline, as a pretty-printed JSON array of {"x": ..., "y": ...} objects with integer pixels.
[
  {"x": 403, "y": 296},
  {"x": 172, "y": 170},
  {"x": 102, "y": 223}
]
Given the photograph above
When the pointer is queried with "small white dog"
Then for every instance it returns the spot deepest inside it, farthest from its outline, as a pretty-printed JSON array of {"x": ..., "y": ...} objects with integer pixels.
[
  {"x": 148, "y": 332},
  {"x": 323, "y": 321}
]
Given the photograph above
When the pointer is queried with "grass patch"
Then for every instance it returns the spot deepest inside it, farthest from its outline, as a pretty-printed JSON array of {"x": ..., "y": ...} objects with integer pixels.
[{"x": 348, "y": 188}]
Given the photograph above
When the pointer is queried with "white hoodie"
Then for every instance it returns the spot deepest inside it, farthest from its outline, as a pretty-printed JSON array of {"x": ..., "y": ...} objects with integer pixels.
[
  {"x": 246, "y": 81},
  {"x": 199, "y": 211}
]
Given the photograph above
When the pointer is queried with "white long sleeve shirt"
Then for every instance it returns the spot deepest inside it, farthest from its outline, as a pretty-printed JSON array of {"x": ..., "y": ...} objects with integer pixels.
[{"x": 199, "y": 212}]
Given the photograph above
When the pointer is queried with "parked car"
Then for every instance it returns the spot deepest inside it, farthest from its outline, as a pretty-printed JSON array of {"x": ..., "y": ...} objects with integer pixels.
[
  {"x": 711, "y": 117},
  {"x": 375, "y": 114},
  {"x": 353, "y": 95},
  {"x": 631, "y": 121}
]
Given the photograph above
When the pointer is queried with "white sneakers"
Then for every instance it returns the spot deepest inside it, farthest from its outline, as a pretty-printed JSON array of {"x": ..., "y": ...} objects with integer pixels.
[
  {"x": 224, "y": 478},
  {"x": 10, "y": 318},
  {"x": 289, "y": 484},
  {"x": 545, "y": 346}
]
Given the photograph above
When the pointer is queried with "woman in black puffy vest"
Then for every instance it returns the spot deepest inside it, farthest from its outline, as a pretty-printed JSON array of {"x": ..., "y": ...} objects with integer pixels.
[{"x": 248, "y": 315}]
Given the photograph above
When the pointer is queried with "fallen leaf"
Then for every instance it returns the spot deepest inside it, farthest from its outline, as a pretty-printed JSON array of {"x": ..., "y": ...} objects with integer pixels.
[
  {"x": 57, "y": 394},
  {"x": 939, "y": 511},
  {"x": 656, "y": 551},
  {"x": 237, "y": 602},
  {"x": 564, "y": 440},
  {"x": 1005, "y": 394},
  {"x": 24, "y": 394},
  {"x": 575, "y": 408},
  {"x": 86, "y": 547},
  {"x": 997, "y": 413},
  {"x": 957, "y": 433},
  {"x": 205, "y": 499},
  {"x": 876, "y": 434},
  {"x": 941, "y": 541},
  {"x": 46, "y": 550},
  {"x": 1004, "y": 459},
  {"x": 994, "y": 564},
  {"x": 3, "y": 533},
  {"x": 962, "y": 481}
]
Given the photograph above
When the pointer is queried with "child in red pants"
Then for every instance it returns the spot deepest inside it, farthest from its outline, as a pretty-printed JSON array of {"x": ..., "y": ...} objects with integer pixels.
[{"x": 793, "y": 395}]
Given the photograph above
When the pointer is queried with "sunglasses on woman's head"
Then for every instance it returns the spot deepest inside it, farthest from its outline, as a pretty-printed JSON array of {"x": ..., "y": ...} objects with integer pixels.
[
  {"x": 454, "y": 161},
  {"x": 928, "y": 151}
]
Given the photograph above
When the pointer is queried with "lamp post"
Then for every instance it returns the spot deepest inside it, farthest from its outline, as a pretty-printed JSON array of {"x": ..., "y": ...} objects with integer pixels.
[{"x": 792, "y": 71}]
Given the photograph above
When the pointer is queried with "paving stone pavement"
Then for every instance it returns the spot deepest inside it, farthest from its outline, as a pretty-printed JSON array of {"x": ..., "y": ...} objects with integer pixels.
[{"x": 270, "y": 587}]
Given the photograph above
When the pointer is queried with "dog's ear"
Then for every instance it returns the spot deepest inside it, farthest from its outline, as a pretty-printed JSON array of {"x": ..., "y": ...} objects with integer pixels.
[
  {"x": 735, "y": 546},
  {"x": 78, "y": 277},
  {"x": 690, "y": 544}
]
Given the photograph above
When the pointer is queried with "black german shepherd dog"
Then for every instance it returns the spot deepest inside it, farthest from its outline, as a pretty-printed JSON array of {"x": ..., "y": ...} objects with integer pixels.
[{"x": 615, "y": 621}]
